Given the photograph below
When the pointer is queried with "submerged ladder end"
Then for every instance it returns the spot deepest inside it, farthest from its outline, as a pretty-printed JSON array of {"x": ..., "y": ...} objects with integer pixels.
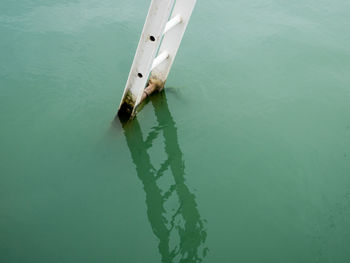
[{"x": 127, "y": 109}]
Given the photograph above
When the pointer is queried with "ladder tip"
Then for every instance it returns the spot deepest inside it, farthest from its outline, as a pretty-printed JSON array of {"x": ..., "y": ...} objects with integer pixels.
[{"x": 125, "y": 112}]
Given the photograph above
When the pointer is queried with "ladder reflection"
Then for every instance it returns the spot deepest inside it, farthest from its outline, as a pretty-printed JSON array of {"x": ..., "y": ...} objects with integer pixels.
[{"x": 180, "y": 229}]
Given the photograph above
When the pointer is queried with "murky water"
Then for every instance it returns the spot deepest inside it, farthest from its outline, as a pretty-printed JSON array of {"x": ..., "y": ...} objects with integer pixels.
[{"x": 244, "y": 158}]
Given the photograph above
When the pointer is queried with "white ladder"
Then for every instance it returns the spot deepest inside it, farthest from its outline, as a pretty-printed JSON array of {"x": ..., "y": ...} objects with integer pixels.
[{"x": 159, "y": 34}]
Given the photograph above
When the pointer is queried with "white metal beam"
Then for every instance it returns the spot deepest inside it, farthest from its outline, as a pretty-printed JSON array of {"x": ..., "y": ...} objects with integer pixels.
[
  {"x": 144, "y": 63},
  {"x": 158, "y": 15},
  {"x": 173, "y": 37}
]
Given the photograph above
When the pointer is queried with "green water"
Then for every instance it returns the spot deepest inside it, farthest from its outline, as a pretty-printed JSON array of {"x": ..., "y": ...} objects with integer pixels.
[{"x": 244, "y": 158}]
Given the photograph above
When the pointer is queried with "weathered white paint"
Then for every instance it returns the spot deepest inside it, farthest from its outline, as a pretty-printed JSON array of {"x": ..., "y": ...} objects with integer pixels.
[
  {"x": 157, "y": 17},
  {"x": 173, "y": 37},
  {"x": 157, "y": 23}
]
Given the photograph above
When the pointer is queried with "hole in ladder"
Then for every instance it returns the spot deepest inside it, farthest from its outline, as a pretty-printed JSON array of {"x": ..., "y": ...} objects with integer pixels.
[
  {"x": 152, "y": 38},
  {"x": 139, "y": 75}
]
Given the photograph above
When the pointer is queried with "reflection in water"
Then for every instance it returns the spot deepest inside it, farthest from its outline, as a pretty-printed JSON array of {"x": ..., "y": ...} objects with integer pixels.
[{"x": 180, "y": 231}]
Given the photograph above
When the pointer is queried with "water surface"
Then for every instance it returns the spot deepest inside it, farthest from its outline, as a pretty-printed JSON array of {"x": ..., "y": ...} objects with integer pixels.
[{"x": 244, "y": 158}]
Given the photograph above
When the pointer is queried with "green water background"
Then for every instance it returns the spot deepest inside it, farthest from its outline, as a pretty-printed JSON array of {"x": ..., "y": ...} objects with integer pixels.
[{"x": 253, "y": 132}]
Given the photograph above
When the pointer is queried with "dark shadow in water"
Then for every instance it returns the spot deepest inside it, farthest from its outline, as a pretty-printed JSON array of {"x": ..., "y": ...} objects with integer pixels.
[{"x": 180, "y": 232}]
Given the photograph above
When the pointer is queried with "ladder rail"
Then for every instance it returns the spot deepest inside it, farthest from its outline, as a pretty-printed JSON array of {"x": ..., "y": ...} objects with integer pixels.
[
  {"x": 162, "y": 36},
  {"x": 172, "y": 39},
  {"x": 148, "y": 45}
]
